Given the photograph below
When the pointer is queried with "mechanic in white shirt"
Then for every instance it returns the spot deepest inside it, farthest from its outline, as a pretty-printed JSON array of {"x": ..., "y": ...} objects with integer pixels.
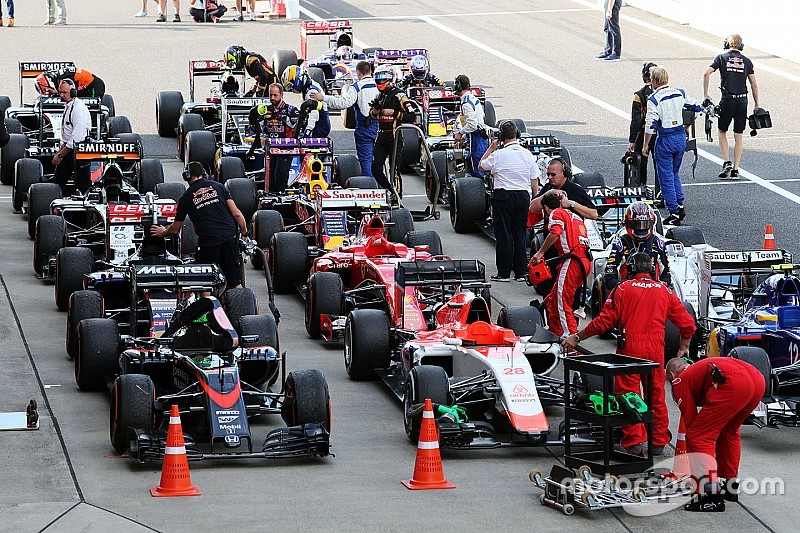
[
  {"x": 74, "y": 129},
  {"x": 516, "y": 177},
  {"x": 471, "y": 122},
  {"x": 358, "y": 96}
]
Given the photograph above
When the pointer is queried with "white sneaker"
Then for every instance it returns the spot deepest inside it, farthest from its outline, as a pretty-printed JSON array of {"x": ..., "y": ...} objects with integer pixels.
[
  {"x": 580, "y": 313},
  {"x": 141, "y": 14},
  {"x": 252, "y": 16}
]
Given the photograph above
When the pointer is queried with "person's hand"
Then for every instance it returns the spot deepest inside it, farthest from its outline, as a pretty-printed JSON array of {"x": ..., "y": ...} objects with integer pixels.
[
  {"x": 631, "y": 147},
  {"x": 494, "y": 145},
  {"x": 559, "y": 192},
  {"x": 645, "y": 150},
  {"x": 707, "y": 102},
  {"x": 57, "y": 159},
  {"x": 457, "y": 136},
  {"x": 536, "y": 258},
  {"x": 316, "y": 95},
  {"x": 608, "y": 14},
  {"x": 157, "y": 231},
  {"x": 570, "y": 342},
  {"x": 682, "y": 352}
]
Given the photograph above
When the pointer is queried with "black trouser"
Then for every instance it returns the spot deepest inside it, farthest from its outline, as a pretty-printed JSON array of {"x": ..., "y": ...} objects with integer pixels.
[
  {"x": 381, "y": 151},
  {"x": 96, "y": 89},
  {"x": 732, "y": 109},
  {"x": 611, "y": 27},
  {"x": 65, "y": 168},
  {"x": 509, "y": 218},
  {"x": 637, "y": 148},
  {"x": 227, "y": 256},
  {"x": 279, "y": 166},
  {"x": 204, "y": 15}
]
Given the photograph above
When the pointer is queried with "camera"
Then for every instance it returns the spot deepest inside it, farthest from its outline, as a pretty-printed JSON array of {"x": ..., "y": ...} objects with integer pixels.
[{"x": 628, "y": 158}]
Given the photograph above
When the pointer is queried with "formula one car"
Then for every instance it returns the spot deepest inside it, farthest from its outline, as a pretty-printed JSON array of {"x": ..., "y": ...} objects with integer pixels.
[
  {"x": 361, "y": 275},
  {"x": 36, "y": 127},
  {"x": 470, "y": 198},
  {"x": 484, "y": 379},
  {"x": 218, "y": 375}
]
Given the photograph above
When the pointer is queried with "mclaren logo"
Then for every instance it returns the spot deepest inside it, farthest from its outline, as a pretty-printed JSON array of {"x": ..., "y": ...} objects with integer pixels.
[{"x": 150, "y": 270}]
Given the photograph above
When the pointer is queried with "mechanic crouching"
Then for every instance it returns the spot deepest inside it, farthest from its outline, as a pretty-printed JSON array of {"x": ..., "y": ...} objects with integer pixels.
[
  {"x": 515, "y": 176},
  {"x": 217, "y": 222},
  {"x": 256, "y": 67},
  {"x": 567, "y": 234},
  {"x": 665, "y": 116},
  {"x": 726, "y": 390},
  {"x": 639, "y": 309},
  {"x": 638, "y": 238}
]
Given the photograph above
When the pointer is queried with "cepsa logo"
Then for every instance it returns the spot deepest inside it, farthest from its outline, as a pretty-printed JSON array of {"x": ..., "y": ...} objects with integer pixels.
[{"x": 326, "y": 24}]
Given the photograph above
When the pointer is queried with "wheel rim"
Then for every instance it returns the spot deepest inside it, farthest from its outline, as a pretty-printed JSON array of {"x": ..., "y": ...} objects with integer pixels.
[
  {"x": 348, "y": 341},
  {"x": 407, "y": 402},
  {"x": 453, "y": 204}
]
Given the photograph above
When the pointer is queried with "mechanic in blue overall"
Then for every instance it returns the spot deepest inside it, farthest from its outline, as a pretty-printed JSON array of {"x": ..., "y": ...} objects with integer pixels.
[
  {"x": 735, "y": 70},
  {"x": 420, "y": 76},
  {"x": 216, "y": 220},
  {"x": 638, "y": 238},
  {"x": 297, "y": 80},
  {"x": 665, "y": 117},
  {"x": 358, "y": 96},
  {"x": 470, "y": 123}
]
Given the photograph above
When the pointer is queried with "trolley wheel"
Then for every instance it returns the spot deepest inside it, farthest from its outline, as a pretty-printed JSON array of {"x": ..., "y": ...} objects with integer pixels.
[
  {"x": 589, "y": 499},
  {"x": 612, "y": 482},
  {"x": 568, "y": 509},
  {"x": 585, "y": 473},
  {"x": 534, "y": 474},
  {"x": 541, "y": 499},
  {"x": 639, "y": 494}
]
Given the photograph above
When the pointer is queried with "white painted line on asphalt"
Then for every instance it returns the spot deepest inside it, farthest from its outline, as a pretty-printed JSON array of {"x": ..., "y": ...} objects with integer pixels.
[
  {"x": 739, "y": 182},
  {"x": 596, "y": 101},
  {"x": 689, "y": 40},
  {"x": 478, "y": 14}
]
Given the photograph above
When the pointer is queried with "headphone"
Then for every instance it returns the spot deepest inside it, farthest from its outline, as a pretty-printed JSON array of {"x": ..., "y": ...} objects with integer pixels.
[
  {"x": 567, "y": 168},
  {"x": 633, "y": 270},
  {"x": 727, "y": 46},
  {"x": 457, "y": 85},
  {"x": 508, "y": 124},
  {"x": 73, "y": 91},
  {"x": 188, "y": 177}
]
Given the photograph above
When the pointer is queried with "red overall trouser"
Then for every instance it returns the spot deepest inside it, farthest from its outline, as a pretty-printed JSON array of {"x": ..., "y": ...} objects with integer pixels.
[{"x": 569, "y": 279}]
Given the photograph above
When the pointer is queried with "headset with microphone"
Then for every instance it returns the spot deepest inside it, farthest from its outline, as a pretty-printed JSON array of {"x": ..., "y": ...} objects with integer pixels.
[
  {"x": 632, "y": 267},
  {"x": 187, "y": 177},
  {"x": 457, "y": 87},
  {"x": 564, "y": 165},
  {"x": 727, "y": 46},
  {"x": 73, "y": 90}
]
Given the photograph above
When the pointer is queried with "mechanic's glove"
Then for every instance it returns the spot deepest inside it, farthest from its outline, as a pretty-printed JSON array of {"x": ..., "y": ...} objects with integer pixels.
[
  {"x": 310, "y": 105},
  {"x": 263, "y": 110}
]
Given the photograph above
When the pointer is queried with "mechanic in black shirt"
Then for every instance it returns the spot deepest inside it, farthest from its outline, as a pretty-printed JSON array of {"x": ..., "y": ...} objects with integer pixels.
[
  {"x": 216, "y": 220},
  {"x": 573, "y": 197},
  {"x": 735, "y": 70},
  {"x": 255, "y": 65},
  {"x": 391, "y": 107},
  {"x": 636, "y": 136}
]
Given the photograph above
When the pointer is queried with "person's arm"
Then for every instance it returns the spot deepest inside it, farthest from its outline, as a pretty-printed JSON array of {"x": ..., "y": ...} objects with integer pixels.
[
  {"x": 172, "y": 229},
  {"x": 682, "y": 394},
  {"x": 292, "y": 116},
  {"x": 238, "y": 217},
  {"x": 535, "y": 174},
  {"x": 611, "y": 274},
  {"x": 408, "y": 114},
  {"x": 666, "y": 275},
  {"x": 609, "y": 13},
  {"x": 471, "y": 121},
  {"x": 580, "y": 209},
  {"x": 754, "y": 87},
  {"x": 649, "y": 122},
  {"x": 637, "y": 121},
  {"x": 706, "y": 79},
  {"x": 488, "y": 164},
  {"x": 608, "y": 318},
  {"x": 682, "y": 320},
  {"x": 343, "y": 101}
]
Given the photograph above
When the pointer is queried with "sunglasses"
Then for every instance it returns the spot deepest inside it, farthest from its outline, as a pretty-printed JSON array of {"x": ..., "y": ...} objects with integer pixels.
[{"x": 551, "y": 174}]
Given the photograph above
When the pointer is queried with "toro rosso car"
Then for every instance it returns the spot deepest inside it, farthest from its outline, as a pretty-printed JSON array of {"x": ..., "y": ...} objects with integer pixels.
[
  {"x": 218, "y": 375},
  {"x": 485, "y": 380}
]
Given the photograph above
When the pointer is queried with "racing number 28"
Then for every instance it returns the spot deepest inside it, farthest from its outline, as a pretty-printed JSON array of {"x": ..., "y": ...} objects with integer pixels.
[{"x": 513, "y": 371}]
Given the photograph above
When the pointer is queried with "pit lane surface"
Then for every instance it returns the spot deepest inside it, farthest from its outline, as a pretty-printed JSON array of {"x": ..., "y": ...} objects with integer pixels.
[{"x": 536, "y": 65}]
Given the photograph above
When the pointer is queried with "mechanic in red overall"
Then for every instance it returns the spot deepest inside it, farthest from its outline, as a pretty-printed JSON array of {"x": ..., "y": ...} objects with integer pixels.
[
  {"x": 727, "y": 390},
  {"x": 639, "y": 308},
  {"x": 568, "y": 236}
]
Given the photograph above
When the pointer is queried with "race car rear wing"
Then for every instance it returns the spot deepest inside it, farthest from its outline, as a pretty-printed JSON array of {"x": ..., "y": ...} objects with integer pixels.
[
  {"x": 439, "y": 272},
  {"x": 616, "y": 196},
  {"x": 208, "y": 67},
  {"x": 31, "y": 69},
  {"x": 292, "y": 146},
  {"x": 342, "y": 199},
  {"x": 445, "y": 95},
  {"x": 321, "y": 27},
  {"x": 109, "y": 150},
  {"x": 540, "y": 144},
  {"x": 189, "y": 277},
  {"x": 400, "y": 58}
]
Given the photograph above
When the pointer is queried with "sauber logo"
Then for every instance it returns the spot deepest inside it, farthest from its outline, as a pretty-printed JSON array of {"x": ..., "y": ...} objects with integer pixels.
[{"x": 149, "y": 270}]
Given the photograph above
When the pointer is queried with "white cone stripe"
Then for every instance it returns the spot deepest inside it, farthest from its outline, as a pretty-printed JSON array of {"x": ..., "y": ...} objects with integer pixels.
[
  {"x": 174, "y": 420},
  {"x": 428, "y": 445},
  {"x": 174, "y": 450},
  {"x": 427, "y": 414}
]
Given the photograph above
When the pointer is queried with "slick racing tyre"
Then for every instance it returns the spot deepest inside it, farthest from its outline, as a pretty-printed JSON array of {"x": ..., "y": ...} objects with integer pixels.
[
  {"x": 282, "y": 59},
  {"x": 260, "y": 373},
  {"x": 132, "y": 407},
  {"x": 288, "y": 260},
  {"x": 168, "y": 112},
  {"x": 201, "y": 146},
  {"x": 345, "y": 167},
  {"x": 367, "y": 343},
  {"x": 72, "y": 264},
  {"x": 427, "y": 238},
  {"x": 97, "y": 358},
  {"x": 239, "y": 302},
  {"x": 26, "y": 173},
  {"x": 525, "y": 320},
  {"x": 467, "y": 204},
  {"x": 40, "y": 195},
  {"x": 82, "y": 304},
  {"x": 412, "y": 149},
  {"x": 399, "y": 223},
  {"x": 307, "y": 399},
  {"x": 361, "y": 182},
  {"x": 244, "y": 194},
  {"x": 438, "y": 162},
  {"x": 230, "y": 167},
  {"x": 48, "y": 240},
  {"x": 187, "y": 123},
  {"x": 589, "y": 179},
  {"x": 151, "y": 175},
  {"x": 117, "y": 125},
  {"x": 9, "y": 155},
  {"x": 171, "y": 190},
  {"x": 108, "y": 102},
  {"x": 266, "y": 223},
  {"x": 324, "y": 296},
  {"x": 423, "y": 382},
  {"x": 686, "y": 235}
]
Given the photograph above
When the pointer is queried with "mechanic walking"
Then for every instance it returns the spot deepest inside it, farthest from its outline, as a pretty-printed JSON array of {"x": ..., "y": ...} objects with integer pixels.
[
  {"x": 613, "y": 48},
  {"x": 390, "y": 108},
  {"x": 665, "y": 117},
  {"x": 75, "y": 129},
  {"x": 637, "y": 238},
  {"x": 639, "y": 308},
  {"x": 727, "y": 390},
  {"x": 216, "y": 220},
  {"x": 735, "y": 70},
  {"x": 568, "y": 236},
  {"x": 515, "y": 175},
  {"x": 358, "y": 96},
  {"x": 636, "y": 136},
  {"x": 472, "y": 123}
]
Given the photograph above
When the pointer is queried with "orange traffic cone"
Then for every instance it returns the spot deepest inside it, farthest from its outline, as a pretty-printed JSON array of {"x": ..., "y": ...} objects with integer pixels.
[
  {"x": 428, "y": 473},
  {"x": 175, "y": 478},
  {"x": 769, "y": 238},
  {"x": 680, "y": 464}
]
